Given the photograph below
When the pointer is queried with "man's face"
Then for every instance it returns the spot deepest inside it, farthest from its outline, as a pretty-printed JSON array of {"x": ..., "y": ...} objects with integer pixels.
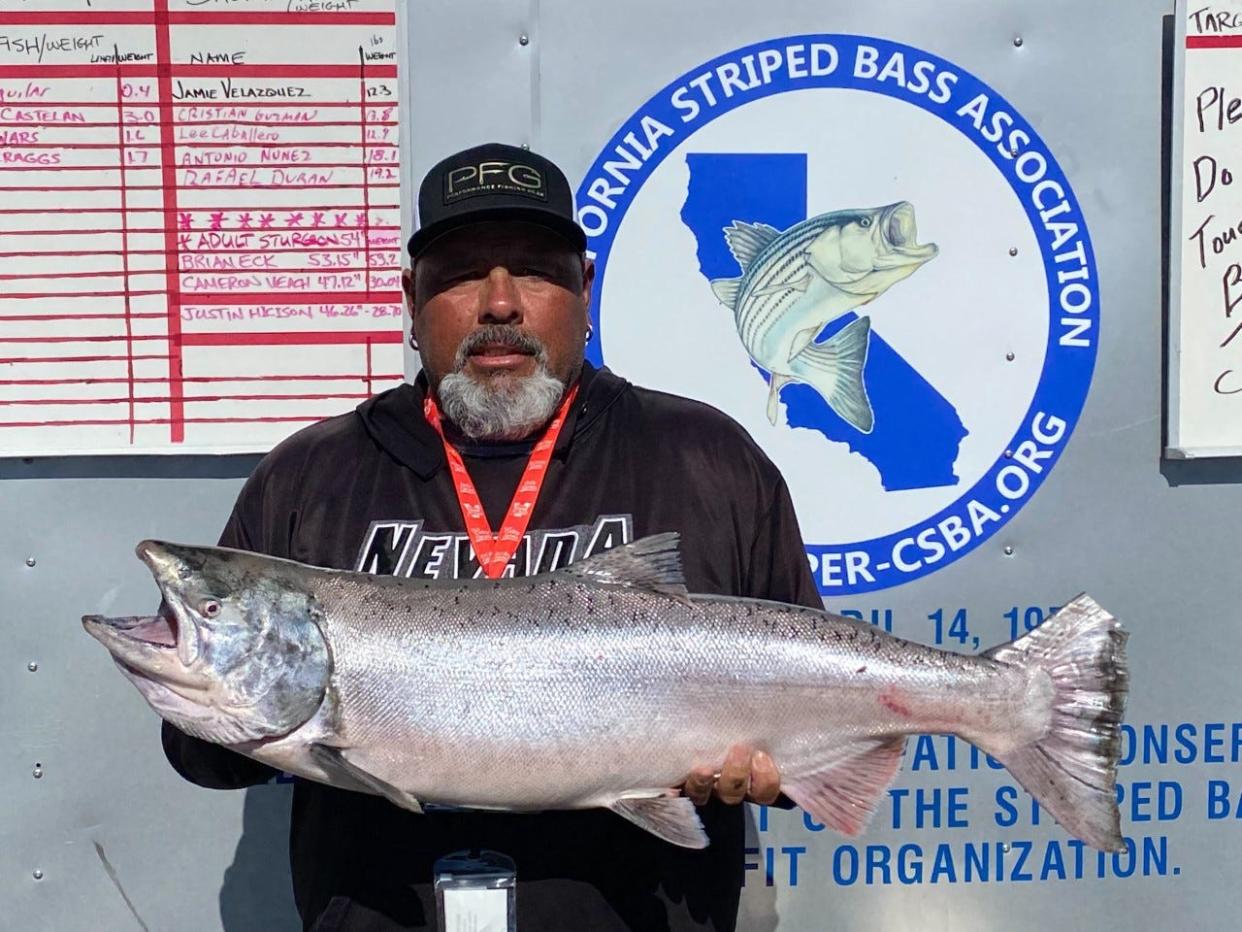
[{"x": 500, "y": 274}]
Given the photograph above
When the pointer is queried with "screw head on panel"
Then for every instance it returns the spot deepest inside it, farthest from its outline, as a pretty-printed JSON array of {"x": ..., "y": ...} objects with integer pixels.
[
  {"x": 33, "y": 666},
  {"x": 37, "y": 874},
  {"x": 1009, "y": 550},
  {"x": 523, "y": 39},
  {"x": 1013, "y": 250},
  {"x": 30, "y": 561},
  {"x": 37, "y": 773},
  {"x": 1017, "y": 42},
  {"x": 1009, "y": 356}
]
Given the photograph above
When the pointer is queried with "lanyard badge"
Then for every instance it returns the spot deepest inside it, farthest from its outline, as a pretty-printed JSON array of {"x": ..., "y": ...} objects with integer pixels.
[{"x": 494, "y": 551}]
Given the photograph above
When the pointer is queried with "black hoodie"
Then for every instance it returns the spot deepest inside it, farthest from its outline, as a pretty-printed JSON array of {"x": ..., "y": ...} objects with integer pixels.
[{"x": 368, "y": 490}]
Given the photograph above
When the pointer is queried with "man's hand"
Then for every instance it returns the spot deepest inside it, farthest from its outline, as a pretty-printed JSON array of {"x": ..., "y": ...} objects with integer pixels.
[{"x": 745, "y": 774}]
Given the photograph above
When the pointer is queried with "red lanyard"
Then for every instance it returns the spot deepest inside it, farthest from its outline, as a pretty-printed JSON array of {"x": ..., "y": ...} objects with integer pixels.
[{"x": 494, "y": 551}]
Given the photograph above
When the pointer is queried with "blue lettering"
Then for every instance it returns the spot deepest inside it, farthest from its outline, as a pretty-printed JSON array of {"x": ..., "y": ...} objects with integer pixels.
[
  {"x": 957, "y": 807},
  {"x": 1155, "y": 856},
  {"x": 943, "y": 865},
  {"x": 845, "y": 865},
  {"x": 1024, "y": 851},
  {"x": 1126, "y": 868},
  {"x": 910, "y": 864},
  {"x": 1218, "y": 799},
  {"x": 977, "y": 861},
  {"x": 897, "y": 794},
  {"x": 1007, "y": 813},
  {"x": 1212, "y": 739},
  {"x": 1053, "y": 862},
  {"x": 792, "y": 852},
  {"x": 877, "y": 862},
  {"x": 924, "y": 754},
  {"x": 1184, "y": 734}
]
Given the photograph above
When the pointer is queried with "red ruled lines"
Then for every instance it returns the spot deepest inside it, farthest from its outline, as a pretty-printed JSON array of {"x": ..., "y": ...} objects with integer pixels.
[
  {"x": 168, "y": 159},
  {"x": 203, "y": 230},
  {"x": 192, "y": 71},
  {"x": 129, "y": 324},
  {"x": 305, "y": 208},
  {"x": 202, "y": 379},
  {"x": 177, "y": 425},
  {"x": 229, "y": 123},
  {"x": 187, "y": 399},
  {"x": 366, "y": 174},
  {"x": 1214, "y": 42},
  {"x": 294, "y": 338},
  {"x": 195, "y": 17}
]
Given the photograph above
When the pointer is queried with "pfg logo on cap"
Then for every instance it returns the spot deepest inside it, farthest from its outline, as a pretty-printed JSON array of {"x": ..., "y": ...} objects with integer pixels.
[
  {"x": 493, "y": 177},
  {"x": 870, "y": 259}
]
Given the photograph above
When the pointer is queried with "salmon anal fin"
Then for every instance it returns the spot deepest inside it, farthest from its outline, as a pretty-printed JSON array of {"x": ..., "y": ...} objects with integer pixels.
[
  {"x": 334, "y": 762},
  {"x": 845, "y": 796},
  {"x": 669, "y": 817}
]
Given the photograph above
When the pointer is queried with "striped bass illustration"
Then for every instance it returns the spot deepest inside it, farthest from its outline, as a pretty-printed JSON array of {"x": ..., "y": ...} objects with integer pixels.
[
  {"x": 612, "y": 679},
  {"x": 795, "y": 282}
]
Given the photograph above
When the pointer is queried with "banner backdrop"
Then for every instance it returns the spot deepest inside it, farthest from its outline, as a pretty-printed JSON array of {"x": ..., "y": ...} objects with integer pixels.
[{"x": 966, "y": 197}]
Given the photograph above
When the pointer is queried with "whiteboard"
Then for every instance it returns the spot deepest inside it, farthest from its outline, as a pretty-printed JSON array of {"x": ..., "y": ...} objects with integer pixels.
[
  {"x": 1205, "y": 262},
  {"x": 200, "y": 228}
]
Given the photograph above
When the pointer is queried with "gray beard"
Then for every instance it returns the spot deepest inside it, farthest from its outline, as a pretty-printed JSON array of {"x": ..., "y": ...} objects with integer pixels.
[{"x": 502, "y": 406}]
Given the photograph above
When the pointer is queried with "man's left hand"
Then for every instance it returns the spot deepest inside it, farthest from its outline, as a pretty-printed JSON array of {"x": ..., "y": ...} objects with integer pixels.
[{"x": 746, "y": 774}]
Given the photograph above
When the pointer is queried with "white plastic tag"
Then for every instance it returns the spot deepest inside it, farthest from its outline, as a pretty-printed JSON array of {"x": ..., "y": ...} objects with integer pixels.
[{"x": 476, "y": 910}]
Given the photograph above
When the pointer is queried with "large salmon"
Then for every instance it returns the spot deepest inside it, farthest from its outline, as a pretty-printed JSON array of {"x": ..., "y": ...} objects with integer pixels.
[{"x": 610, "y": 677}]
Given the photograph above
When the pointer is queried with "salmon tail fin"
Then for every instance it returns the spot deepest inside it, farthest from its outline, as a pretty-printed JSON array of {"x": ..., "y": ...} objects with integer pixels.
[
  {"x": 834, "y": 368},
  {"x": 1072, "y": 770}
]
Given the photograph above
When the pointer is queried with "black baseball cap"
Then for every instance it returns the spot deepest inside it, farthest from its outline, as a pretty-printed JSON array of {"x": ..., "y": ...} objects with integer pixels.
[{"x": 494, "y": 182}]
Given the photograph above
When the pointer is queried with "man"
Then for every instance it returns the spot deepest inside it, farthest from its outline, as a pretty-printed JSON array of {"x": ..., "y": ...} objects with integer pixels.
[{"x": 498, "y": 294}]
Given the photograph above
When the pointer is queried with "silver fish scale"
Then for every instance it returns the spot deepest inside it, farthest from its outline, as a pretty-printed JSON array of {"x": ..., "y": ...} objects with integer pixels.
[{"x": 439, "y": 690}]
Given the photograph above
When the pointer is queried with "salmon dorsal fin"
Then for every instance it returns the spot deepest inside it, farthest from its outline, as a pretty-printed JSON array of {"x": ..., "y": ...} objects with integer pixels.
[
  {"x": 652, "y": 563},
  {"x": 844, "y": 795},
  {"x": 747, "y": 240}
]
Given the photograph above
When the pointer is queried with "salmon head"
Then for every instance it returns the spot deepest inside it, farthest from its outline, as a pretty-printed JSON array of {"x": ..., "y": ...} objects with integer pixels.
[{"x": 235, "y": 652}]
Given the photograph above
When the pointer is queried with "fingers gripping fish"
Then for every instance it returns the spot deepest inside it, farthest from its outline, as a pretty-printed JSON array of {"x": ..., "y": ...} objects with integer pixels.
[
  {"x": 614, "y": 677},
  {"x": 795, "y": 282}
]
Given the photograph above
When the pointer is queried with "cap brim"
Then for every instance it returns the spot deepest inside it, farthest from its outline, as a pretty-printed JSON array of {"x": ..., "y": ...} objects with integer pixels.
[{"x": 427, "y": 235}]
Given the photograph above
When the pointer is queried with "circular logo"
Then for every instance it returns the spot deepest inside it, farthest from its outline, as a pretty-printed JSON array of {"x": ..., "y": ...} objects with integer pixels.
[{"x": 869, "y": 259}]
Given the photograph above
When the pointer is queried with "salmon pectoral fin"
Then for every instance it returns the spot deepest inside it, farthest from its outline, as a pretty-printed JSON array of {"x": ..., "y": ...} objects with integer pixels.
[
  {"x": 334, "y": 762},
  {"x": 845, "y": 795},
  {"x": 672, "y": 818}
]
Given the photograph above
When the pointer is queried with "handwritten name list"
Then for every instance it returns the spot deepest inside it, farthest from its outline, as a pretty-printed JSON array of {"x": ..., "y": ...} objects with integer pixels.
[{"x": 200, "y": 242}]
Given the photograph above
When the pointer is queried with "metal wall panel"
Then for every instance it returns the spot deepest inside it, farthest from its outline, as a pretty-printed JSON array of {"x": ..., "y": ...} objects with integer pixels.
[{"x": 123, "y": 843}]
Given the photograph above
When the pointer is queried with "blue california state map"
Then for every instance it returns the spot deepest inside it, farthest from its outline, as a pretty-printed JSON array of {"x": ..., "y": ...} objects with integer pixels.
[{"x": 917, "y": 432}]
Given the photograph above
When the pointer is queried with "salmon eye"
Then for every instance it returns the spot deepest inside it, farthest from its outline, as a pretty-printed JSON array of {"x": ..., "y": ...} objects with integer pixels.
[
  {"x": 865, "y": 222},
  {"x": 210, "y": 608}
]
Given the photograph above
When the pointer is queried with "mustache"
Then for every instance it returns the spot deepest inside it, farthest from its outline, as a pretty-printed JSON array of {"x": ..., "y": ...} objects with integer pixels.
[{"x": 499, "y": 335}]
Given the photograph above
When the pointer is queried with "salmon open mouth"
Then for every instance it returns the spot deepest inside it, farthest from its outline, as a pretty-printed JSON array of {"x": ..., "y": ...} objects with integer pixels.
[
  {"x": 159, "y": 630},
  {"x": 146, "y": 645}
]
